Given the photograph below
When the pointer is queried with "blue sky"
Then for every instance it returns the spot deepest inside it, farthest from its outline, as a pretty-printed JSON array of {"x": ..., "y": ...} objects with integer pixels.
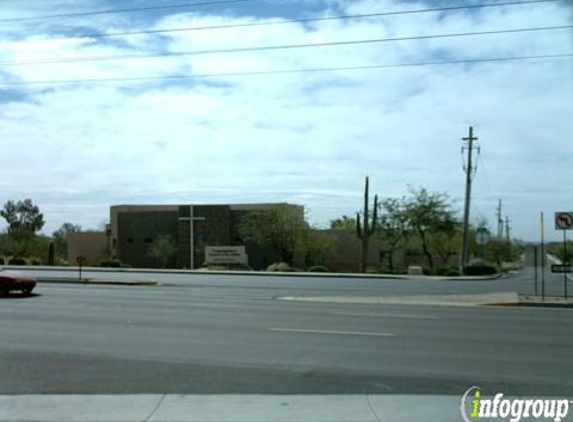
[{"x": 76, "y": 149}]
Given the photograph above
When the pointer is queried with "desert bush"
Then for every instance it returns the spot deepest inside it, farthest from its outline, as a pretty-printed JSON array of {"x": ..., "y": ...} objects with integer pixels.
[
  {"x": 214, "y": 267},
  {"x": 318, "y": 269},
  {"x": 16, "y": 261},
  {"x": 281, "y": 267},
  {"x": 480, "y": 267},
  {"x": 447, "y": 271},
  {"x": 111, "y": 263}
]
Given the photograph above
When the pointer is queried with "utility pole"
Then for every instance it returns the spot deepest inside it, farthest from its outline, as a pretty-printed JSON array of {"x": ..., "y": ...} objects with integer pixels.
[
  {"x": 499, "y": 221},
  {"x": 507, "y": 230},
  {"x": 470, "y": 171},
  {"x": 543, "y": 257}
]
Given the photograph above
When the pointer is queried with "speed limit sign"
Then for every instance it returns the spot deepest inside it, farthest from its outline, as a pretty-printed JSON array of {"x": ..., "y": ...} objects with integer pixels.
[{"x": 564, "y": 221}]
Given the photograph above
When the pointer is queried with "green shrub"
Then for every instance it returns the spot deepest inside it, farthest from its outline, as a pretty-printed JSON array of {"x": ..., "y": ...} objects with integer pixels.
[
  {"x": 478, "y": 262},
  {"x": 480, "y": 267},
  {"x": 239, "y": 267},
  {"x": 2, "y": 261},
  {"x": 281, "y": 267},
  {"x": 16, "y": 261},
  {"x": 214, "y": 267},
  {"x": 511, "y": 266},
  {"x": 448, "y": 271},
  {"x": 318, "y": 269},
  {"x": 36, "y": 261},
  {"x": 428, "y": 271},
  {"x": 111, "y": 263}
]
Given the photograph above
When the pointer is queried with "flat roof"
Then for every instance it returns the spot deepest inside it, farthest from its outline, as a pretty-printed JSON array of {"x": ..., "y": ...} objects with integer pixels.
[{"x": 232, "y": 206}]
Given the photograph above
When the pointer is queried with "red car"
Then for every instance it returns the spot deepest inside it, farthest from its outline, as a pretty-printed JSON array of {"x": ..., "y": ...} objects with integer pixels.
[{"x": 10, "y": 282}]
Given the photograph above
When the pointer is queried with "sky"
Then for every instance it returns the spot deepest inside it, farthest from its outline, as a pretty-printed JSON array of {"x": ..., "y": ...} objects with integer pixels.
[{"x": 309, "y": 138}]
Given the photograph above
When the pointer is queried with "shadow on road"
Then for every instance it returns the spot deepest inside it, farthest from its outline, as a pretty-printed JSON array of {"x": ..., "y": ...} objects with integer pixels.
[{"x": 19, "y": 296}]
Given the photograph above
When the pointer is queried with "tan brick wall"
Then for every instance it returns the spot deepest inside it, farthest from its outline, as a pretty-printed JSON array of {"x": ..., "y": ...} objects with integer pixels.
[{"x": 92, "y": 245}]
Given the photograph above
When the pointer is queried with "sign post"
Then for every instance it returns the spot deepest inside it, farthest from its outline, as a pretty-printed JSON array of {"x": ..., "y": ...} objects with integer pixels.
[
  {"x": 564, "y": 222},
  {"x": 542, "y": 257},
  {"x": 80, "y": 260},
  {"x": 565, "y": 262},
  {"x": 535, "y": 266}
]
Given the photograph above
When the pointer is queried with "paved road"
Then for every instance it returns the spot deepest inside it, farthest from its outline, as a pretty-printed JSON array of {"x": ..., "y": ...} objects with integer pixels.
[{"x": 224, "y": 334}]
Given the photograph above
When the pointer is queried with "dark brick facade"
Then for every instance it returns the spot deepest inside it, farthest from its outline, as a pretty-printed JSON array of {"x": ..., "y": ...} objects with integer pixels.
[
  {"x": 137, "y": 227},
  {"x": 136, "y": 233}
]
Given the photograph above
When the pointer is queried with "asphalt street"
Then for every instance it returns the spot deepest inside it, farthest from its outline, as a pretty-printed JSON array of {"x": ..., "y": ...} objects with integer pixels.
[{"x": 228, "y": 334}]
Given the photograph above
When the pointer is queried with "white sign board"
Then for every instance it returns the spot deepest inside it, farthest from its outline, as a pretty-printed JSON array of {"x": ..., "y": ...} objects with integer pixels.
[
  {"x": 226, "y": 255},
  {"x": 482, "y": 237},
  {"x": 564, "y": 220}
]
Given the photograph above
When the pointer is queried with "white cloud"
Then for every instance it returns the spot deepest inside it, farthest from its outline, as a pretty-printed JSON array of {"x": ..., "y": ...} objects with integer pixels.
[{"x": 76, "y": 149}]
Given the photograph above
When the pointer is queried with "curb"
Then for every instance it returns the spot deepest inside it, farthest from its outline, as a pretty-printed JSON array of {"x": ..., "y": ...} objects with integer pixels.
[
  {"x": 97, "y": 282},
  {"x": 527, "y": 300},
  {"x": 257, "y": 273}
]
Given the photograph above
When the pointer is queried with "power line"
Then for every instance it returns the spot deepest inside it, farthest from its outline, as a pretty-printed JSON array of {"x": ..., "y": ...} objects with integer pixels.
[
  {"x": 279, "y": 47},
  {"x": 130, "y": 10},
  {"x": 303, "y": 20},
  {"x": 288, "y": 71}
]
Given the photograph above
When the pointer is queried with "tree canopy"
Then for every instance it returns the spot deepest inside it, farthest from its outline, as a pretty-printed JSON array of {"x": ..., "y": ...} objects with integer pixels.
[
  {"x": 393, "y": 225},
  {"x": 282, "y": 228},
  {"x": 427, "y": 213},
  {"x": 343, "y": 223},
  {"x": 66, "y": 229},
  {"x": 162, "y": 249},
  {"x": 23, "y": 217}
]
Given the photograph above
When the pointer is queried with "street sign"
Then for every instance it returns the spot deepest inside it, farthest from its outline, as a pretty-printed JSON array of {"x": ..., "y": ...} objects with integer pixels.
[
  {"x": 561, "y": 269},
  {"x": 564, "y": 221}
]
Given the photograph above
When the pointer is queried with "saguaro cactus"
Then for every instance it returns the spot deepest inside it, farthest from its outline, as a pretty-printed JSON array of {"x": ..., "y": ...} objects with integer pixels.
[{"x": 365, "y": 229}]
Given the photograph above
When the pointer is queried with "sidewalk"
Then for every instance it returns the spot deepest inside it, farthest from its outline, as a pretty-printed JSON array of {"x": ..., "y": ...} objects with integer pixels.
[
  {"x": 87, "y": 270},
  {"x": 230, "y": 408}
]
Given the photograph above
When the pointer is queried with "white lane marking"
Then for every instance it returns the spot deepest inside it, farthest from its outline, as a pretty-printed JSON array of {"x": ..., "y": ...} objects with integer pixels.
[
  {"x": 340, "y": 333},
  {"x": 360, "y": 314}
]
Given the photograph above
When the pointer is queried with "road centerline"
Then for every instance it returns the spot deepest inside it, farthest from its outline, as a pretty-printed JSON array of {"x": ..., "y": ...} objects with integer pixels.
[
  {"x": 365, "y": 314},
  {"x": 332, "y": 332}
]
